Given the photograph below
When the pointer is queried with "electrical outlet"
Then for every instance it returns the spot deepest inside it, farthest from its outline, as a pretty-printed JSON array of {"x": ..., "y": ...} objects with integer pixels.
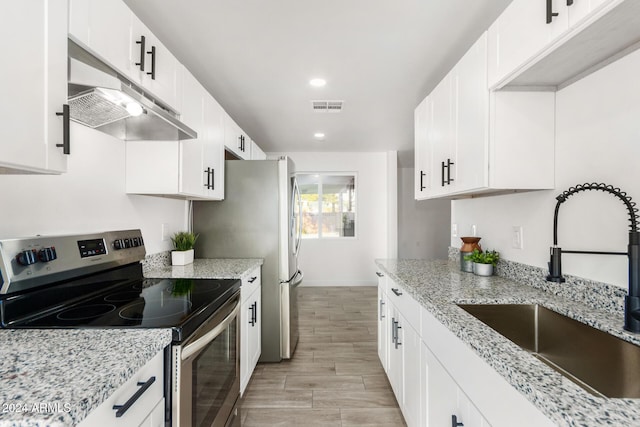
[
  {"x": 454, "y": 230},
  {"x": 516, "y": 237},
  {"x": 164, "y": 232}
]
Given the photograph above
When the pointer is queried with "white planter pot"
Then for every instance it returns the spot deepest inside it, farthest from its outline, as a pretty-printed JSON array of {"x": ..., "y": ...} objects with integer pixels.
[
  {"x": 482, "y": 269},
  {"x": 182, "y": 257}
]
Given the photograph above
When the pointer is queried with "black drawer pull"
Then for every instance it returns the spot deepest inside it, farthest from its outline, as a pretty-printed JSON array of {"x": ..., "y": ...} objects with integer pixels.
[
  {"x": 454, "y": 422},
  {"x": 121, "y": 409},
  {"x": 253, "y": 279},
  {"x": 379, "y": 274},
  {"x": 396, "y": 291},
  {"x": 422, "y": 175}
]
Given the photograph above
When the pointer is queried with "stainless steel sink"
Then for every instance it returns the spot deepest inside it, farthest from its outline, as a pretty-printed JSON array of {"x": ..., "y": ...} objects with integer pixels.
[{"x": 602, "y": 364}]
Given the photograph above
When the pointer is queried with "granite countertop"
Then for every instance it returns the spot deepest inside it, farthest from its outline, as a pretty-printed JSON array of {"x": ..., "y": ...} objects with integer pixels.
[
  {"x": 55, "y": 377},
  {"x": 206, "y": 269},
  {"x": 440, "y": 285}
]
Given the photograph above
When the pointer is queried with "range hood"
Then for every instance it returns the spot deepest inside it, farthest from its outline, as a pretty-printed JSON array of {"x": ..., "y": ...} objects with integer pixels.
[{"x": 103, "y": 99}]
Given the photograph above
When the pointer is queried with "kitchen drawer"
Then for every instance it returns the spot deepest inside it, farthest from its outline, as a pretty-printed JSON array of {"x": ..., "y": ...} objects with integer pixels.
[
  {"x": 250, "y": 283},
  {"x": 406, "y": 305},
  {"x": 105, "y": 415}
]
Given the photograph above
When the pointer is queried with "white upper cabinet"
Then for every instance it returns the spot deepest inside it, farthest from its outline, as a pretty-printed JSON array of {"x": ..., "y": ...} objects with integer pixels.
[
  {"x": 422, "y": 120},
  {"x": 552, "y": 43},
  {"x": 115, "y": 35},
  {"x": 33, "y": 42},
  {"x": 236, "y": 140},
  {"x": 524, "y": 28},
  {"x": 190, "y": 169},
  {"x": 256, "y": 152},
  {"x": 476, "y": 141}
]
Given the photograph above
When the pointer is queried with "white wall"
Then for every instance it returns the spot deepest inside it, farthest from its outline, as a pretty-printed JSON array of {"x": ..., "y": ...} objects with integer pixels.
[
  {"x": 423, "y": 225},
  {"x": 597, "y": 140},
  {"x": 89, "y": 197},
  {"x": 349, "y": 262}
]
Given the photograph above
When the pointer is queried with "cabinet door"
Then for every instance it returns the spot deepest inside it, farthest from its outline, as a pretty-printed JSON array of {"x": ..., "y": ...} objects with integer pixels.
[
  {"x": 442, "y": 139},
  {"x": 235, "y": 139},
  {"x": 192, "y": 173},
  {"x": 471, "y": 170},
  {"x": 34, "y": 85},
  {"x": 161, "y": 68},
  {"x": 256, "y": 152},
  {"x": 422, "y": 148},
  {"x": 384, "y": 324},
  {"x": 412, "y": 400},
  {"x": 213, "y": 149},
  {"x": 110, "y": 34},
  {"x": 520, "y": 32},
  {"x": 442, "y": 394},
  {"x": 255, "y": 335},
  {"x": 395, "y": 372}
]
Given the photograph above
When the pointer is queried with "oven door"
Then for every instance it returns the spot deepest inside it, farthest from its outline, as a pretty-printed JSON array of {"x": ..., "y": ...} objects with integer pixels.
[{"x": 206, "y": 371}]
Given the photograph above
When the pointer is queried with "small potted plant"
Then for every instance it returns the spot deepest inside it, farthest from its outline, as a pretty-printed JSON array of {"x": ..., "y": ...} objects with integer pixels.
[
  {"x": 483, "y": 262},
  {"x": 183, "y": 242}
]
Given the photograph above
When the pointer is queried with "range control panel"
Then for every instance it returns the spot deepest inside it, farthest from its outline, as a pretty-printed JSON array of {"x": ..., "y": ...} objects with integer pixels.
[{"x": 35, "y": 261}]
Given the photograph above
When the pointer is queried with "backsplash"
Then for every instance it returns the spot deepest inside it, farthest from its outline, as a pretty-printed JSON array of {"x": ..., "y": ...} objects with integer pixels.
[
  {"x": 601, "y": 296},
  {"x": 152, "y": 261}
]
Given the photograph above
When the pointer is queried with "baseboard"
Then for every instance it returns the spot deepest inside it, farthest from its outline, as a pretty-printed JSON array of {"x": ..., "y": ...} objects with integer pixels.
[{"x": 320, "y": 283}]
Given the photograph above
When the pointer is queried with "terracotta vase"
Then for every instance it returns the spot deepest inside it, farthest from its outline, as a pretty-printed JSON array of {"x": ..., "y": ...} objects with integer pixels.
[{"x": 468, "y": 245}]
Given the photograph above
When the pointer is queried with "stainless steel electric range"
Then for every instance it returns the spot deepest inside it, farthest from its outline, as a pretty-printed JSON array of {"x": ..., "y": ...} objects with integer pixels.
[{"x": 96, "y": 281}]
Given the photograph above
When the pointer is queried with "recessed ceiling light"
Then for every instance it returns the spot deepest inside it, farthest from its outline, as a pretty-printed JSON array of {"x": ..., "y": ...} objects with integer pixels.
[
  {"x": 319, "y": 136},
  {"x": 317, "y": 82}
]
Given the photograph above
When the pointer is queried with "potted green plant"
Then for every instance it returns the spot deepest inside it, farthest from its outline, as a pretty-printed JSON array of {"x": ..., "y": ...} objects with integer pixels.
[
  {"x": 183, "y": 242},
  {"x": 483, "y": 262}
]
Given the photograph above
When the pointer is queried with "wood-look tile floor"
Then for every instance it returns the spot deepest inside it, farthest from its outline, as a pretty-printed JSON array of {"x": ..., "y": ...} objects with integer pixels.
[{"x": 335, "y": 377}]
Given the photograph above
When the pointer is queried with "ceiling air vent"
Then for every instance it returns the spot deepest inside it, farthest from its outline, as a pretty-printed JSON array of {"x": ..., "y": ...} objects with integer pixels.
[{"x": 327, "y": 106}]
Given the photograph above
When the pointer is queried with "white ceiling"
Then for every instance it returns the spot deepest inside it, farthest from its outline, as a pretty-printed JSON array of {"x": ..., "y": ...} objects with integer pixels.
[{"x": 381, "y": 57}]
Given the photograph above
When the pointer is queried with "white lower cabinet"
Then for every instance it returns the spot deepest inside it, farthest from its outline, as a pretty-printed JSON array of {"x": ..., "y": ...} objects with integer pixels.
[
  {"x": 384, "y": 334},
  {"x": 442, "y": 398},
  {"x": 435, "y": 376},
  {"x": 147, "y": 410},
  {"x": 250, "y": 326},
  {"x": 400, "y": 347}
]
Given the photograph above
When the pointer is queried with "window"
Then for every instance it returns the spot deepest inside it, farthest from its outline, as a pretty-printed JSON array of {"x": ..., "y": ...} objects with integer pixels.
[{"x": 328, "y": 205}]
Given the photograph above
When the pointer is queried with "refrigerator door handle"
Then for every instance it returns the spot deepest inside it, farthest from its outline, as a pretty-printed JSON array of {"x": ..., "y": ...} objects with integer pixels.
[{"x": 298, "y": 282}]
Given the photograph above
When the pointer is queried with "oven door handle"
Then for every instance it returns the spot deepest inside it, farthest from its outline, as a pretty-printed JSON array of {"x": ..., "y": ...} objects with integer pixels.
[{"x": 204, "y": 340}]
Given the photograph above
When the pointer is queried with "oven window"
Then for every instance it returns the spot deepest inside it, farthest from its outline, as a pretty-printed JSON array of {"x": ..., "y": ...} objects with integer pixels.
[{"x": 213, "y": 375}]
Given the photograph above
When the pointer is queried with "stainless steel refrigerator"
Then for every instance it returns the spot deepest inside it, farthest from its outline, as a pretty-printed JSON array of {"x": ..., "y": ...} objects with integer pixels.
[{"x": 260, "y": 218}]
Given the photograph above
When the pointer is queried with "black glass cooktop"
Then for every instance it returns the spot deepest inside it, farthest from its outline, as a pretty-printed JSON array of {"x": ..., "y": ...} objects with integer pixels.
[{"x": 120, "y": 298}]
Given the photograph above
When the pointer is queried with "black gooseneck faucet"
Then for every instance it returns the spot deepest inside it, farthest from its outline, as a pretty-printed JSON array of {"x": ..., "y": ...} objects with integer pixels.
[{"x": 632, "y": 299}]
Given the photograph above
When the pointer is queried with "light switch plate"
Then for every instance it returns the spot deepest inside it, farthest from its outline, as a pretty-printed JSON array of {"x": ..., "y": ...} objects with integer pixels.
[
  {"x": 454, "y": 230},
  {"x": 517, "y": 237}
]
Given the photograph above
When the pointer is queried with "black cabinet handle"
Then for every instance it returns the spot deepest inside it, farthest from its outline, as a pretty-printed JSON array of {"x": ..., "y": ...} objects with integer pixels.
[
  {"x": 66, "y": 140},
  {"x": 422, "y": 174},
  {"x": 253, "y": 279},
  {"x": 569, "y": 2},
  {"x": 251, "y": 321},
  {"x": 379, "y": 274},
  {"x": 449, "y": 164},
  {"x": 442, "y": 174},
  {"x": 454, "y": 422},
  {"x": 240, "y": 143},
  {"x": 142, "y": 43},
  {"x": 396, "y": 291},
  {"x": 121, "y": 409},
  {"x": 550, "y": 13},
  {"x": 213, "y": 179},
  {"x": 397, "y": 337},
  {"x": 208, "y": 172},
  {"x": 255, "y": 312},
  {"x": 152, "y": 52}
]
